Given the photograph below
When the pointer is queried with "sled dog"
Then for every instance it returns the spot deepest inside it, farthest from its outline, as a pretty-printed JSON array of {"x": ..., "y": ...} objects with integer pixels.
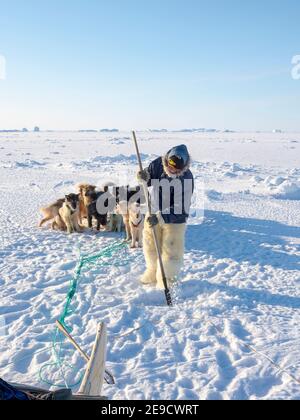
[
  {"x": 51, "y": 212},
  {"x": 69, "y": 213},
  {"x": 93, "y": 210},
  {"x": 122, "y": 210},
  {"x": 84, "y": 200},
  {"x": 136, "y": 224},
  {"x": 115, "y": 223}
]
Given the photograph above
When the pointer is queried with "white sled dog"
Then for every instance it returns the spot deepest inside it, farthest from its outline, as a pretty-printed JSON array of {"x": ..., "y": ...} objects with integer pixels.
[
  {"x": 115, "y": 223},
  {"x": 136, "y": 225},
  {"x": 69, "y": 213},
  {"x": 122, "y": 210}
]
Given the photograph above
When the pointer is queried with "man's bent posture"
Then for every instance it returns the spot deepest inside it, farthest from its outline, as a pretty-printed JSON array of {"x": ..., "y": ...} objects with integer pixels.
[{"x": 172, "y": 185}]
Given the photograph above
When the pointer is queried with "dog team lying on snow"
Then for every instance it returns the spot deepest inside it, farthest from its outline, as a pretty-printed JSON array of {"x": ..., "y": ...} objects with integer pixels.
[{"x": 168, "y": 218}]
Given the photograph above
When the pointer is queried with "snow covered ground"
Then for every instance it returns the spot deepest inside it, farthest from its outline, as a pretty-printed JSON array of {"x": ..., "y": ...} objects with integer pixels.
[{"x": 240, "y": 284}]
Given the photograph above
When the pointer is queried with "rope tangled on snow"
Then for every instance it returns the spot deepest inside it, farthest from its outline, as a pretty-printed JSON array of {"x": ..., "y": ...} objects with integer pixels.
[{"x": 60, "y": 364}]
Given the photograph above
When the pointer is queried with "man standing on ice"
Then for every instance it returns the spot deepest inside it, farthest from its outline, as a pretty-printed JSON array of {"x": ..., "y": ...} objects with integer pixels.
[{"x": 172, "y": 187}]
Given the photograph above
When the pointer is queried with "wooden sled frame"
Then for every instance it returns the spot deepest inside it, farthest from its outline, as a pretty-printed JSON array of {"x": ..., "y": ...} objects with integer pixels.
[
  {"x": 92, "y": 383},
  {"x": 93, "y": 379}
]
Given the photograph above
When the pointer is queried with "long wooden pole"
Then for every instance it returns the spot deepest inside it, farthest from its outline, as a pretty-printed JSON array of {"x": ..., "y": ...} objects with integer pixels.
[
  {"x": 72, "y": 341},
  {"x": 146, "y": 192}
]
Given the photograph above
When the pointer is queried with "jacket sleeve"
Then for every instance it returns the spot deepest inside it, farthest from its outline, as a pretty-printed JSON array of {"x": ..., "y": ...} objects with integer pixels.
[
  {"x": 189, "y": 187},
  {"x": 153, "y": 171}
]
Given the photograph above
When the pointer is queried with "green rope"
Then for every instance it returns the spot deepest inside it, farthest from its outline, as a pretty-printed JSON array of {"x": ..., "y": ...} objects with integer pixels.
[{"x": 101, "y": 259}]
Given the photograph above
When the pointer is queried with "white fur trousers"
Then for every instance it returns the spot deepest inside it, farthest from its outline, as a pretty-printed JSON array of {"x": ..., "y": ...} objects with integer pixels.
[{"x": 171, "y": 238}]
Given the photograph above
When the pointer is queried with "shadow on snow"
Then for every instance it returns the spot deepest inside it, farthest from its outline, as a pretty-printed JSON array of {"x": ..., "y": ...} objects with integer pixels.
[{"x": 255, "y": 241}]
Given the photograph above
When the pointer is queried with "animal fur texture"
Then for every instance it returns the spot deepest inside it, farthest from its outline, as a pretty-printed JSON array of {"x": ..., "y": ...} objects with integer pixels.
[
  {"x": 93, "y": 212},
  {"x": 136, "y": 225},
  {"x": 171, "y": 238},
  {"x": 58, "y": 224},
  {"x": 122, "y": 210},
  {"x": 51, "y": 213},
  {"x": 115, "y": 223},
  {"x": 69, "y": 213},
  {"x": 84, "y": 200}
]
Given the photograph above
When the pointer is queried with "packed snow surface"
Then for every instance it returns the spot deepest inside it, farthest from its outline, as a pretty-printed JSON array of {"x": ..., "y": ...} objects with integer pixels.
[{"x": 240, "y": 285}]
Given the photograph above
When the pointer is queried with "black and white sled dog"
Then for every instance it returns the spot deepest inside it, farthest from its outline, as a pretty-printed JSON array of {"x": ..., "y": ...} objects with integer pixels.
[{"x": 94, "y": 207}]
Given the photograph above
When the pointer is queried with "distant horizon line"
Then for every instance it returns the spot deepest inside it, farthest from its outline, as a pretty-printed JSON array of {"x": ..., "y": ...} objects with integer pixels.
[{"x": 149, "y": 130}]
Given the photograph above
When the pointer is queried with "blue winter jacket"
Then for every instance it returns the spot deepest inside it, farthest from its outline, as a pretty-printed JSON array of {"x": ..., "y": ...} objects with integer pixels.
[{"x": 174, "y": 208}]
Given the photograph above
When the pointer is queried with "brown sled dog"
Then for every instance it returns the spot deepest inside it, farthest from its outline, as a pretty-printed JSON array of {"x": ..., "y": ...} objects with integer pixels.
[
  {"x": 84, "y": 200},
  {"x": 51, "y": 213}
]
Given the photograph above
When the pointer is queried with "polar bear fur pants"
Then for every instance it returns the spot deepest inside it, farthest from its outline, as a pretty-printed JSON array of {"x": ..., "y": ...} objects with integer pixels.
[{"x": 171, "y": 239}]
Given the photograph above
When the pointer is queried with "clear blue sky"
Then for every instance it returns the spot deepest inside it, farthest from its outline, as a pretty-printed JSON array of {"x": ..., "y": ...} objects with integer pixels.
[{"x": 149, "y": 63}]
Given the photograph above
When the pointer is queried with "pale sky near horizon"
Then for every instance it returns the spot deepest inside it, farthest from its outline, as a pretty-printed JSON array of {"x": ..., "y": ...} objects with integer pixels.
[{"x": 91, "y": 64}]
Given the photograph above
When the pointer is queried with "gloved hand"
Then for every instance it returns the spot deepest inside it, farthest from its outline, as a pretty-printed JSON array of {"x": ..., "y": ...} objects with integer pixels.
[
  {"x": 143, "y": 176},
  {"x": 153, "y": 220}
]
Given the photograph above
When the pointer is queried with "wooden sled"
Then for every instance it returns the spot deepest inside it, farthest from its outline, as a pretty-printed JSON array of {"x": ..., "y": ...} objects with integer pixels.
[
  {"x": 92, "y": 383},
  {"x": 93, "y": 380}
]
